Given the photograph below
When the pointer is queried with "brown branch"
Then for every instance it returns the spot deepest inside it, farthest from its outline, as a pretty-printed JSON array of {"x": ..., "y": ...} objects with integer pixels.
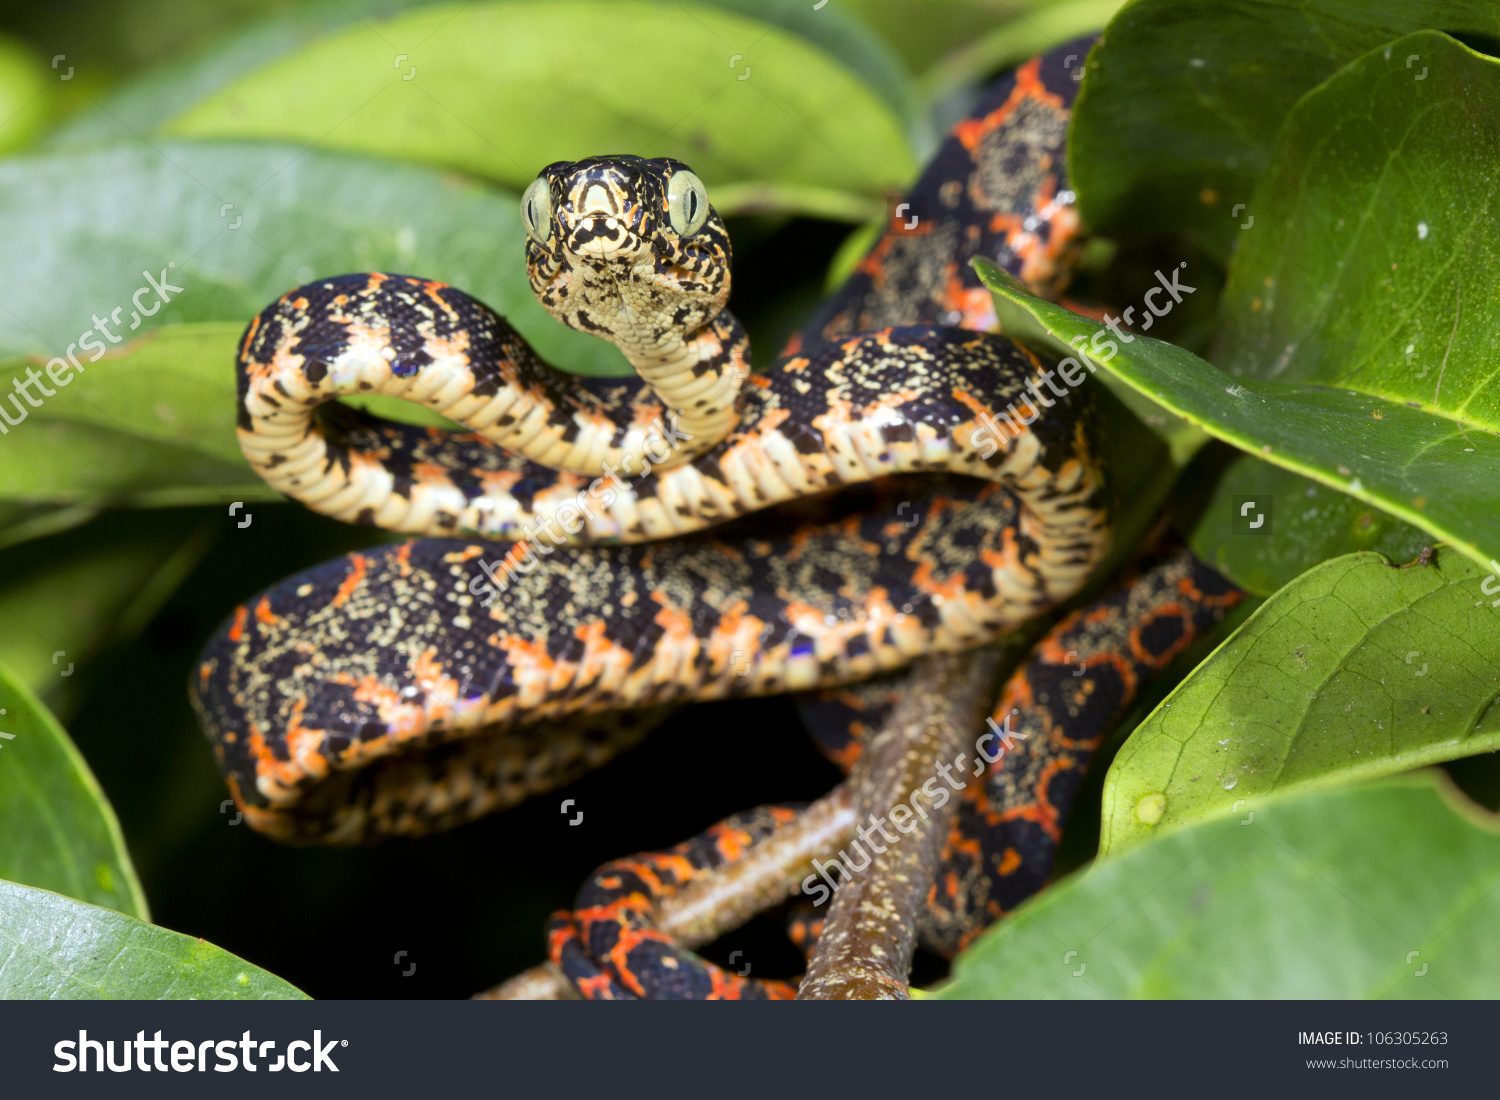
[
  {"x": 540, "y": 983},
  {"x": 769, "y": 873},
  {"x": 869, "y": 933}
]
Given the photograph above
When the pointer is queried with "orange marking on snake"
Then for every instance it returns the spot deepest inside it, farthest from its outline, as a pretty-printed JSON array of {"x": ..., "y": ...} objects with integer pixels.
[
  {"x": 249, "y": 336},
  {"x": 972, "y": 131},
  {"x": 356, "y": 577},
  {"x": 265, "y": 616},
  {"x": 1183, "y": 640}
]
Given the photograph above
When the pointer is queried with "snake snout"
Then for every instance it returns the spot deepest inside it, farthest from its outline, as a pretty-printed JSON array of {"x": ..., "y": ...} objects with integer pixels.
[{"x": 602, "y": 236}]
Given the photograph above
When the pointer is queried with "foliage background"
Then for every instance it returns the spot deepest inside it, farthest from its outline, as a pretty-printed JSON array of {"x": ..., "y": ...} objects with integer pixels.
[{"x": 116, "y": 550}]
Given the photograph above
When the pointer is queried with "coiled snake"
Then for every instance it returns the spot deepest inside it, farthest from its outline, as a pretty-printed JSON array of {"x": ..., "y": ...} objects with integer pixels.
[{"x": 532, "y": 630}]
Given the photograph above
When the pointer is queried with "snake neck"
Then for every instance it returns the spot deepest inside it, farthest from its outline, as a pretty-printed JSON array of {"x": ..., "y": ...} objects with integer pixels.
[
  {"x": 697, "y": 375},
  {"x": 668, "y": 319}
]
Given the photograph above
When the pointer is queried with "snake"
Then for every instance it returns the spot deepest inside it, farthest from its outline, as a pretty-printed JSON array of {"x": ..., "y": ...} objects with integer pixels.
[{"x": 585, "y": 554}]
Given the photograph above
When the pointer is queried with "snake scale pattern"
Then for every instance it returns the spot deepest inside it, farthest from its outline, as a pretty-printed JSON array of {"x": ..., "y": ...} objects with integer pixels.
[{"x": 540, "y": 624}]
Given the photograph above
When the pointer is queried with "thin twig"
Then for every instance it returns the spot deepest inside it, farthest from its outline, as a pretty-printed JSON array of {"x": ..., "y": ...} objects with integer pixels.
[
  {"x": 769, "y": 873},
  {"x": 540, "y": 983},
  {"x": 869, "y": 933}
]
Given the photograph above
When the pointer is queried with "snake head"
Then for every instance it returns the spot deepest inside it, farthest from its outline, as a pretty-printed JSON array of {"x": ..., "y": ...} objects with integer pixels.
[{"x": 626, "y": 248}]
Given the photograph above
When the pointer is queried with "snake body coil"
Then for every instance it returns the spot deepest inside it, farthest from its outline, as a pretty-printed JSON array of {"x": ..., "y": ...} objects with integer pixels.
[
  {"x": 338, "y": 699},
  {"x": 358, "y": 663}
]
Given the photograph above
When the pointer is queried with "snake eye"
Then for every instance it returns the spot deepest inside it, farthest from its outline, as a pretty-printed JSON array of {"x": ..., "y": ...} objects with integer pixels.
[
  {"x": 536, "y": 210},
  {"x": 687, "y": 203}
]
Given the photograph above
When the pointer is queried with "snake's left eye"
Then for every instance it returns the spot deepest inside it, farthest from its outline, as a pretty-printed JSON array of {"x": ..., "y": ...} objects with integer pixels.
[
  {"x": 536, "y": 210},
  {"x": 687, "y": 203}
]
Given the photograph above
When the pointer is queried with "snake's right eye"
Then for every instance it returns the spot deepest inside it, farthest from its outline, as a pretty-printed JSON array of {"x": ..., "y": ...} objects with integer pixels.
[
  {"x": 687, "y": 203},
  {"x": 536, "y": 210}
]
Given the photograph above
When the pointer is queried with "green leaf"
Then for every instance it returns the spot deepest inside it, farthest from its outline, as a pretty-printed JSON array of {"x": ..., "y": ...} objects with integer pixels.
[
  {"x": 242, "y": 224},
  {"x": 851, "y": 42},
  {"x": 1406, "y": 461},
  {"x": 488, "y": 89},
  {"x": 1382, "y": 890},
  {"x": 1375, "y": 261},
  {"x": 926, "y": 30},
  {"x": 146, "y": 99},
  {"x": 1356, "y": 669},
  {"x": 145, "y": 102},
  {"x": 1183, "y": 99},
  {"x": 56, "y": 948},
  {"x": 60, "y": 831},
  {"x": 1306, "y": 523},
  {"x": 1014, "y": 42}
]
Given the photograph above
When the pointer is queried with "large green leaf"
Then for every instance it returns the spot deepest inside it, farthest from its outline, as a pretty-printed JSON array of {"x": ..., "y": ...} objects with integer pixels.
[
  {"x": 502, "y": 89},
  {"x": 1406, "y": 461},
  {"x": 1356, "y": 669},
  {"x": 1383, "y": 890},
  {"x": 851, "y": 42},
  {"x": 1183, "y": 100},
  {"x": 146, "y": 99},
  {"x": 56, "y": 948},
  {"x": 163, "y": 91},
  {"x": 1014, "y": 41},
  {"x": 924, "y": 31},
  {"x": 1304, "y": 523},
  {"x": 60, "y": 831},
  {"x": 242, "y": 224},
  {"x": 1378, "y": 260}
]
